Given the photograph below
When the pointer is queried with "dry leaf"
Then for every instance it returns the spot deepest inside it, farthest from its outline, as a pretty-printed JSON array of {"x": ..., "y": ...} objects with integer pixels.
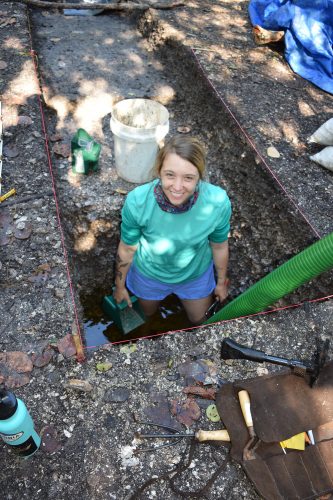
[
  {"x": 212, "y": 413},
  {"x": 79, "y": 385},
  {"x": 103, "y": 367},
  {"x": 55, "y": 137},
  {"x": 49, "y": 439},
  {"x": 202, "y": 392},
  {"x": 121, "y": 191},
  {"x": 66, "y": 346},
  {"x": 15, "y": 368},
  {"x": 17, "y": 361},
  {"x": 203, "y": 371},
  {"x": 62, "y": 149},
  {"x": 186, "y": 412},
  {"x": 43, "y": 358},
  {"x": 17, "y": 380}
]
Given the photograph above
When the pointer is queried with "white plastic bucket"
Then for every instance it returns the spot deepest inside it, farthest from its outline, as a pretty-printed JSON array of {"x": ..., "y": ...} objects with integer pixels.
[{"x": 138, "y": 126}]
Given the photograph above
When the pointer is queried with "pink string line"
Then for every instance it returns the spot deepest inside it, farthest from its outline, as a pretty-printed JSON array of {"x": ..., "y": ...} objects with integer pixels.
[
  {"x": 34, "y": 58},
  {"x": 292, "y": 306},
  {"x": 252, "y": 144}
]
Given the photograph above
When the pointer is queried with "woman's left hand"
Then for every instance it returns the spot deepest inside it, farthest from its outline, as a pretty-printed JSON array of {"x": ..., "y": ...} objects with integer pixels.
[{"x": 222, "y": 290}]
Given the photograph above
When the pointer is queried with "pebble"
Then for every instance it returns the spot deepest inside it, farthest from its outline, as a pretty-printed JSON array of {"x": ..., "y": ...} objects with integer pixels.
[
  {"x": 117, "y": 395},
  {"x": 60, "y": 294}
]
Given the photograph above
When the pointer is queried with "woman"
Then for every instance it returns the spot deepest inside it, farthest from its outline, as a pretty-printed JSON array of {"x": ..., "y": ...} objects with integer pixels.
[{"x": 174, "y": 232}]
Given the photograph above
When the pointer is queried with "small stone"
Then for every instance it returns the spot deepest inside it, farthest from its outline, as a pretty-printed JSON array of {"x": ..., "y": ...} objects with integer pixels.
[
  {"x": 20, "y": 225},
  {"x": 117, "y": 395},
  {"x": 273, "y": 152},
  {"x": 59, "y": 293}
]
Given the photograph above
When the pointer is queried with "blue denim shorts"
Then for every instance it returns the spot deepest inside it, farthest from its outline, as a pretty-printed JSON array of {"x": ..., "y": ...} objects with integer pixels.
[{"x": 151, "y": 289}]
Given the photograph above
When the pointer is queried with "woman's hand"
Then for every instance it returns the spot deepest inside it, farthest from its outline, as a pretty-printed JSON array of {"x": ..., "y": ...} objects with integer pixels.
[
  {"x": 222, "y": 290},
  {"x": 120, "y": 294}
]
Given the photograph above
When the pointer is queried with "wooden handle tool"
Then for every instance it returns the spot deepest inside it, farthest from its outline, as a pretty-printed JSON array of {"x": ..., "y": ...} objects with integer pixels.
[
  {"x": 245, "y": 404},
  {"x": 221, "y": 435}
]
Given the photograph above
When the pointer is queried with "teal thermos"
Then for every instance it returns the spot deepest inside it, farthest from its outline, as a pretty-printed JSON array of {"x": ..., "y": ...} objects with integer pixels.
[{"x": 16, "y": 425}]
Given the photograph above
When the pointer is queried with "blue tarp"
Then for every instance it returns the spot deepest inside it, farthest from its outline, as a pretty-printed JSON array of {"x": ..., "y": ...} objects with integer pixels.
[{"x": 308, "y": 26}]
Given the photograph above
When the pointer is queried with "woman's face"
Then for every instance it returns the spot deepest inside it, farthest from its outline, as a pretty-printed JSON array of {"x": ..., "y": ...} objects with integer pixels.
[{"x": 179, "y": 178}]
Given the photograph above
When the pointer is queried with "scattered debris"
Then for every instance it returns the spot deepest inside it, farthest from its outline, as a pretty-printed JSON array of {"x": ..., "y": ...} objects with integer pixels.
[
  {"x": 78, "y": 385},
  {"x": 212, "y": 413},
  {"x": 273, "y": 152},
  {"x": 43, "y": 358},
  {"x": 24, "y": 120},
  {"x": 103, "y": 367},
  {"x": 200, "y": 391},
  {"x": 66, "y": 346},
  {"x": 121, "y": 191},
  {"x": 49, "y": 439},
  {"x": 127, "y": 456},
  {"x": 15, "y": 368},
  {"x": 186, "y": 412},
  {"x": 10, "y": 151},
  {"x": 62, "y": 149},
  {"x": 22, "y": 230},
  {"x": 118, "y": 395},
  {"x": 202, "y": 371},
  {"x": 184, "y": 130},
  {"x": 128, "y": 349}
]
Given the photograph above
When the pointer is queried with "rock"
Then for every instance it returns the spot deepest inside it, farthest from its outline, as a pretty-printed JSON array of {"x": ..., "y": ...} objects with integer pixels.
[
  {"x": 117, "y": 395},
  {"x": 60, "y": 294}
]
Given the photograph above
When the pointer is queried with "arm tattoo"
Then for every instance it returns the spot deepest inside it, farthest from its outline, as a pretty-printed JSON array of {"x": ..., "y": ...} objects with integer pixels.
[
  {"x": 119, "y": 275},
  {"x": 120, "y": 263}
]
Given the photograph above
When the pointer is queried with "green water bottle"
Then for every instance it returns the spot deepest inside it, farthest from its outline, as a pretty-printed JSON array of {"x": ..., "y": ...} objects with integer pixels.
[{"x": 85, "y": 153}]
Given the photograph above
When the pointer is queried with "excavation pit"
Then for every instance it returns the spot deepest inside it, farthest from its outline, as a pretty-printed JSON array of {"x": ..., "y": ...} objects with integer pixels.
[{"x": 266, "y": 228}]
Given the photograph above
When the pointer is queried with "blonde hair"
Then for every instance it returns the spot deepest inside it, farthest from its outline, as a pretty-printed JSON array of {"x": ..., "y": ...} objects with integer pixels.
[{"x": 188, "y": 148}]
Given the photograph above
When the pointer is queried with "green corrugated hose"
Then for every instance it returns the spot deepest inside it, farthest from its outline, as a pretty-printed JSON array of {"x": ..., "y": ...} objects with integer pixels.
[{"x": 305, "y": 266}]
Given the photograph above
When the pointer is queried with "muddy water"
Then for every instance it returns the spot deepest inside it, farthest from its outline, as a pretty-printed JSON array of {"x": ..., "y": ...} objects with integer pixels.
[
  {"x": 85, "y": 67},
  {"x": 100, "y": 329}
]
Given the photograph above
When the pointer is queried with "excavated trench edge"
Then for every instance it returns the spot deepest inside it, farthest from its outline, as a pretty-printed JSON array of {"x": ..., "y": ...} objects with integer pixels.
[{"x": 163, "y": 46}]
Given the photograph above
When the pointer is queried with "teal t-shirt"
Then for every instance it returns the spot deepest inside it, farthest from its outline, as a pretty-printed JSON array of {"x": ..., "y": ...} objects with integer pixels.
[{"x": 174, "y": 248}]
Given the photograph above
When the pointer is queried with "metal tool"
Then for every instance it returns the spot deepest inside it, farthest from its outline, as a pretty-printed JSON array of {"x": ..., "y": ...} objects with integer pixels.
[
  {"x": 232, "y": 350},
  {"x": 245, "y": 404},
  {"x": 200, "y": 435}
]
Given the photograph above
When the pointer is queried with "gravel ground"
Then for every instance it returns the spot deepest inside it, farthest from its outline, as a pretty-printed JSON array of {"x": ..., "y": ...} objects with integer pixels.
[{"x": 85, "y": 65}]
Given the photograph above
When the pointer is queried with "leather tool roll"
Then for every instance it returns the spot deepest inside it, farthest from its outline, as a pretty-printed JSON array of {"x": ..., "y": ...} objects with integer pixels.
[{"x": 282, "y": 406}]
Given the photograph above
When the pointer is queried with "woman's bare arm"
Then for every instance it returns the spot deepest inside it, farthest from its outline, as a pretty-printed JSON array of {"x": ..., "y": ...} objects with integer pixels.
[{"x": 124, "y": 258}]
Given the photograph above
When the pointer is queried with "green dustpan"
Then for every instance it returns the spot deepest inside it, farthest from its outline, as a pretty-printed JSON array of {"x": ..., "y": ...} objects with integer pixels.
[{"x": 126, "y": 318}]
